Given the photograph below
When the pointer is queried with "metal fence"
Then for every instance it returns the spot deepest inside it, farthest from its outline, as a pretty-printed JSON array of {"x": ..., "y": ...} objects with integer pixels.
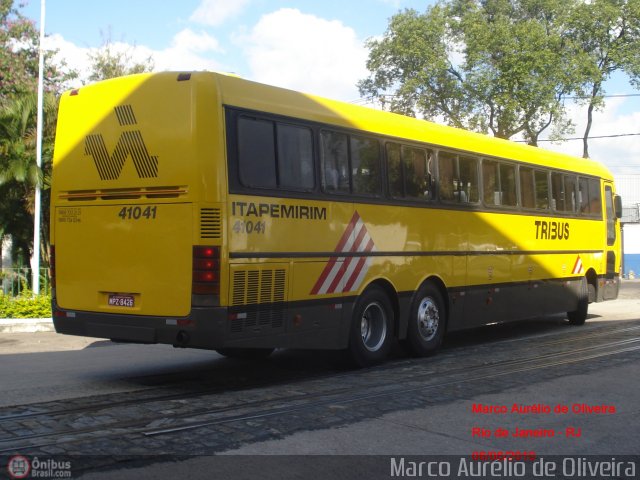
[
  {"x": 15, "y": 281},
  {"x": 631, "y": 214}
]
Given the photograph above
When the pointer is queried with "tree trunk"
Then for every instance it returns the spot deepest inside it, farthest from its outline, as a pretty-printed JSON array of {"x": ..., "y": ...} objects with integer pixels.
[{"x": 585, "y": 138}]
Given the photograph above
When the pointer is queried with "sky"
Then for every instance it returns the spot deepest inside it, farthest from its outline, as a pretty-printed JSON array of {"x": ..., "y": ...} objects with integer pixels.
[{"x": 315, "y": 46}]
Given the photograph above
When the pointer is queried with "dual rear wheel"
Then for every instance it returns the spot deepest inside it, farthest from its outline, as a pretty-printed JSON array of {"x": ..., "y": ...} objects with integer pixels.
[
  {"x": 372, "y": 325},
  {"x": 371, "y": 328},
  {"x": 427, "y": 321}
]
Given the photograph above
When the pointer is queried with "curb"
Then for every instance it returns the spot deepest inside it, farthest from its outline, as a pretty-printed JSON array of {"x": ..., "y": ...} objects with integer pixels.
[{"x": 26, "y": 325}]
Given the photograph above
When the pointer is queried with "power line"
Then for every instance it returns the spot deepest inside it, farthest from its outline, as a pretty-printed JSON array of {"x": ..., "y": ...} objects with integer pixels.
[
  {"x": 589, "y": 138},
  {"x": 619, "y": 95},
  {"x": 364, "y": 100}
]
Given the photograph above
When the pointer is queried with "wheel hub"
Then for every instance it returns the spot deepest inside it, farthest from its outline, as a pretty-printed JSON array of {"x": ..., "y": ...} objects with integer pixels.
[
  {"x": 428, "y": 319},
  {"x": 373, "y": 327}
]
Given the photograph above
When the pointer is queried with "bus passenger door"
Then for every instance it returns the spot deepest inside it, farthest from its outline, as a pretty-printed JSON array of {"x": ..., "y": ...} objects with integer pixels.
[{"x": 611, "y": 283}]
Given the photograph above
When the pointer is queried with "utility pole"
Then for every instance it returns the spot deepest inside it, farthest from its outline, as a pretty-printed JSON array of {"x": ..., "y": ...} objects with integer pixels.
[{"x": 35, "y": 264}]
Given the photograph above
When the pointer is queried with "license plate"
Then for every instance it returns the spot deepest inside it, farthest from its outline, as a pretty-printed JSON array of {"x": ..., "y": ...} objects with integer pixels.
[{"x": 121, "y": 301}]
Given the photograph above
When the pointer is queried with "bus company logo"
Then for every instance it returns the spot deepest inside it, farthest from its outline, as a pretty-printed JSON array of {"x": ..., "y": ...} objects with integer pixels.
[
  {"x": 346, "y": 273},
  {"x": 18, "y": 467},
  {"x": 130, "y": 144}
]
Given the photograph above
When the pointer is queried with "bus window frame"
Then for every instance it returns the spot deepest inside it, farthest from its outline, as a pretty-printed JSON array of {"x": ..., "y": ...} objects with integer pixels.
[
  {"x": 384, "y": 196},
  {"x": 499, "y": 163},
  {"x": 456, "y": 157}
]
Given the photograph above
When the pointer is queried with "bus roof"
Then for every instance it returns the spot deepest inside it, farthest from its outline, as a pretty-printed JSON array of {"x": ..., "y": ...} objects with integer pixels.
[{"x": 243, "y": 93}]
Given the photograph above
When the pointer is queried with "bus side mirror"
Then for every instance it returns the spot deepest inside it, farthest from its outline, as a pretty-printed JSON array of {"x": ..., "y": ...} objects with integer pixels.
[{"x": 617, "y": 202}]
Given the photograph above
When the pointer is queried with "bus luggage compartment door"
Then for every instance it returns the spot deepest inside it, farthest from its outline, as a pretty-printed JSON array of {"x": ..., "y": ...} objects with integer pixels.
[{"x": 131, "y": 259}]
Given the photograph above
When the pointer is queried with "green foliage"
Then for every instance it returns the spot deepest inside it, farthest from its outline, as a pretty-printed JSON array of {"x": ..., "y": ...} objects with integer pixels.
[
  {"x": 608, "y": 33},
  {"x": 501, "y": 66},
  {"x": 25, "y": 306},
  {"x": 19, "y": 54},
  {"x": 18, "y": 57},
  {"x": 111, "y": 61},
  {"x": 19, "y": 173}
]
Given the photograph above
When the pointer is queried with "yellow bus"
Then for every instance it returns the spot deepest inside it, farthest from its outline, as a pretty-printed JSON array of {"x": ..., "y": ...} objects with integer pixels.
[{"x": 203, "y": 210}]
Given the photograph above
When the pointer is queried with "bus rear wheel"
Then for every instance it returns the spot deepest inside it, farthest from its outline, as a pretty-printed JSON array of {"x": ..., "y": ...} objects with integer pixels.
[
  {"x": 579, "y": 315},
  {"x": 427, "y": 322},
  {"x": 371, "y": 328}
]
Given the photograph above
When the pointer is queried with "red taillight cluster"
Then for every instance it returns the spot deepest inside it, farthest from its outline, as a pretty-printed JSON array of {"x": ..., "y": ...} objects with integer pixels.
[{"x": 206, "y": 275}]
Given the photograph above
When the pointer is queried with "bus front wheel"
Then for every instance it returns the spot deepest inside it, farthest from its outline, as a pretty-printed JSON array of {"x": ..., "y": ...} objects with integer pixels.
[
  {"x": 427, "y": 322},
  {"x": 371, "y": 328},
  {"x": 579, "y": 315}
]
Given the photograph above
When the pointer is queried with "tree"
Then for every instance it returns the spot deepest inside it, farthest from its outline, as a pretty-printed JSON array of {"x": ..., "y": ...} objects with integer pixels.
[
  {"x": 19, "y": 174},
  {"x": 18, "y": 171},
  {"x": 18, "y": 62},
  {"x": 19, "y": 42},
  {"x": 608, "y": 31},
  {"x": 112, "y": 60},
  {"x": 502, "y": 66}
]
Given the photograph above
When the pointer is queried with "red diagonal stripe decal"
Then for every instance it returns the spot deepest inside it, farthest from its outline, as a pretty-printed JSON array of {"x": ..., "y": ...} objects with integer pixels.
[
  {"x": 339, "y": 248},
  {"x": 361, "y": 262}
]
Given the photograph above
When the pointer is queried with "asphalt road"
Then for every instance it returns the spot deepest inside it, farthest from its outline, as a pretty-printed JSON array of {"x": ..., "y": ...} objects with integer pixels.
[{"x": 407, "y": 407}]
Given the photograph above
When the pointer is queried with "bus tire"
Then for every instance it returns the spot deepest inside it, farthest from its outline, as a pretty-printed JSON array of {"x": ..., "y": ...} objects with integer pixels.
[
  {"x": 246, "y": 353},
  {"x": 427, "y": 322},
  {"x": 579, "y": 315},
  {"x": 371, "y": 328}
]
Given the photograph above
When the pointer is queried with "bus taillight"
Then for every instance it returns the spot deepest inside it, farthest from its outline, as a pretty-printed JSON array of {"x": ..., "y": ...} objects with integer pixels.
[{"x": 205, "y": 287}]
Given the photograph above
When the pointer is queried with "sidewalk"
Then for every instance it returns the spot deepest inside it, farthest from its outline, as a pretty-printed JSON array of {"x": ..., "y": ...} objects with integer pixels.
[{"x": 25, "y": 325}]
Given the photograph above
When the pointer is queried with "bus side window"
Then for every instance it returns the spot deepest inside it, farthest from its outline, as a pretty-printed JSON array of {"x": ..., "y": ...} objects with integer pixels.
[
  {"x": 256, "y": 153},
  {"x": 416, "y": 173},
  {"x": 557, "y": 192},
  {"x": 570, "y": 193},
  {"x": 394, "y": 170},
  {"x": 335, "y": 162},
  {"x": 295, "y": 157},
  {"x": 527, "y": 192},
  {"x": 583, "y": 195},
  {"x": 595, "y": 197},
  {"x": 542, "y": 190},
  {"x": 365, "y": 165},
  {"x": 508, "y": 184},
  {"x": 468, "y": 180},
  {"x": 490, "y": 188},
  {"x": 446, "y": 168}
]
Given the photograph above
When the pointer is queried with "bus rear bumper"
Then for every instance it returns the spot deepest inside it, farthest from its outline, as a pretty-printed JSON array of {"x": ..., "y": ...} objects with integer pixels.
[{"x": 202, "y": 328}]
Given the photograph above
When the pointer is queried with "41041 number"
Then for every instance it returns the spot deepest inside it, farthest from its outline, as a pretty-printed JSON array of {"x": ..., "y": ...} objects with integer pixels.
[
  {"x": 248, "y": 226},
  {"x": 137, "y": 213}
]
